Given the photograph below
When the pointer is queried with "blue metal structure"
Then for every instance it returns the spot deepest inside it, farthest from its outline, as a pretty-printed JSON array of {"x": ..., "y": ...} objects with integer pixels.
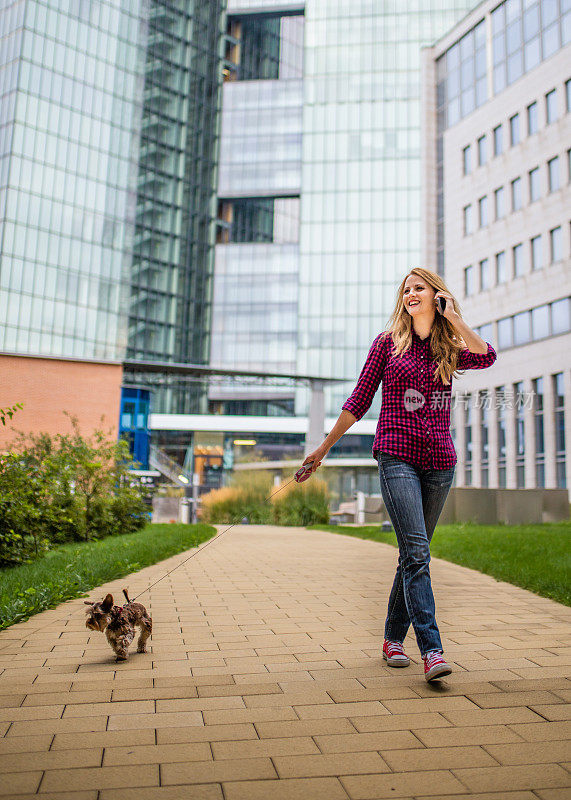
[{"x": 134, "y": 423}]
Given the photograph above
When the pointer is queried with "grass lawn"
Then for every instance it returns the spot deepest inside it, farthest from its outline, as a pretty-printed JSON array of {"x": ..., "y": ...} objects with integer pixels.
[
  {"x": 71, "y": 570},
  {"x": 535, "y": 557}
]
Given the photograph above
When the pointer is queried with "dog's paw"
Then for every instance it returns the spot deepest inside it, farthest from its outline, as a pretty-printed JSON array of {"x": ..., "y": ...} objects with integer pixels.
[
  {"x": 142, "y": 650},
  {"x": 121, "y": 658}
]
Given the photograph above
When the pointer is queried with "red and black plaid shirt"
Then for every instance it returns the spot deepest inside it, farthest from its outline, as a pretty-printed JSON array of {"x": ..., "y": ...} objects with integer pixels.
[{"x": 414, "y": 422}]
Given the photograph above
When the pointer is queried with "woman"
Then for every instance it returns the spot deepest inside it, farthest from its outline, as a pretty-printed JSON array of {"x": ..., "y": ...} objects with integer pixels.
[{"x": 415, "y": 358}]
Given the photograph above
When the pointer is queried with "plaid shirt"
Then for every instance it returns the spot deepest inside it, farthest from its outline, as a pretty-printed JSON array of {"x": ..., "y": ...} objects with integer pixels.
[{"x": 414, "y": 422}]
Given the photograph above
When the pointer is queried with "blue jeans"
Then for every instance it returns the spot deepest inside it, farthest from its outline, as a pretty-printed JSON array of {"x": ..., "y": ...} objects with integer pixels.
[{"x": 414, "y": 499}]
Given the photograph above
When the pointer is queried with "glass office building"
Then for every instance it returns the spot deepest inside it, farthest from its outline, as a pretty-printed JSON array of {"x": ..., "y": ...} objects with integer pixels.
[
  {"x": 70, "y": 105},
  {"x": 254, "y": 323},
  {"x": 173, "y": 250},
  {"x": 321, "y": 123}
]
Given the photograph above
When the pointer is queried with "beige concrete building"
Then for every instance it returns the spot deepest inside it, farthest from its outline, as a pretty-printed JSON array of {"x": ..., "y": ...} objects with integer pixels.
[{"x": 497, "y": 209}]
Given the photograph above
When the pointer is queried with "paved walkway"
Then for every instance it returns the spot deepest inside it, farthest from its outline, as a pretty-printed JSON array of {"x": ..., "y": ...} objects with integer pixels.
[{"x": 265, "y": 681}]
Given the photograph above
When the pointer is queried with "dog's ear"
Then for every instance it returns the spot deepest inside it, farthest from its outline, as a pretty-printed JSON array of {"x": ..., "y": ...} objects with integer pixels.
[
  {"x": 88, "y": 602},
  {"x": 107, "y": 604}
]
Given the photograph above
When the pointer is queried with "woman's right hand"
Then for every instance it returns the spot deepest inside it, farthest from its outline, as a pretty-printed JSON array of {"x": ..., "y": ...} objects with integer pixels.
[{"x": 317, "y": 457}]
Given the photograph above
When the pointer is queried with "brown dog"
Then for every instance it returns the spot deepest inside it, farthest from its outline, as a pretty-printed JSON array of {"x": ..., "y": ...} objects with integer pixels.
[{"x": 119, "y": 622}]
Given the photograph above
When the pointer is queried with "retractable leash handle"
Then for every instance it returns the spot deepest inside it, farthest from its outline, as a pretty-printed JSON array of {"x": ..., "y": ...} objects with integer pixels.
[{"x": 304, "y": 472}]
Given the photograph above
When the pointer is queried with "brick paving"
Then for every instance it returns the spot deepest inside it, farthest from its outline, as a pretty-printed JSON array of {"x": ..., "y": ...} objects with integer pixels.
[{"x": 264, "y": 680}]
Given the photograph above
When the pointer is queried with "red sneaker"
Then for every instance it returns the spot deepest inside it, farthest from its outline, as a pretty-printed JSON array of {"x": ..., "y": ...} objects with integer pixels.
[
  {"x": 394, "y": 654},
  {"x": 434, "y": 666}
]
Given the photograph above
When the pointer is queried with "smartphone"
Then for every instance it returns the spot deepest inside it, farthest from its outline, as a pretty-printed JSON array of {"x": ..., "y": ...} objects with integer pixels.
[{"x": 441, "y": 304}]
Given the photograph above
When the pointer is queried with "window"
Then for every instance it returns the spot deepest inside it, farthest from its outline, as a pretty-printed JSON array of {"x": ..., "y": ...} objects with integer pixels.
[
  {"x": 469, "y": 287},
  {"x": 468, "y": 442},
  {"x": 532, "y": 120},
  {"x": 484, "y": 274},
  {"x": 483, "y": 211},
  {"x": 556, "y": 240},
  {"x": 505, "y": 338},
  {"x": 501, "y": 424},
  {"x": 531, "y": 31},
  {"x": 484, "y": 407},
  {"x": 518, "y": 390},
  {"x": 534, "y": 185},
  {"x": 501, "y": 273},
  {"x": 540, "y": 322},
  {"x": 559, "y": 392},
  {"x": 467, "y": 160},
  {"x": 487, "y": 332},
  {"x": 518, "y": 260},
  {"x": 468, "y": 220},
  {"x": 516, "y": 194},
  {"x": 536, "y": 262},
  {"x": 499, "y": 203},
  {"x": 514, "y": 130},
  {"x": 561, "y": 316},
  {"x": 522, "y": 327},
  {"x": 553, "y": 174},
  {"x": 539, "y": 433},
  {"x": 551, "y": 106},
  {"x": 498, "y": 142},
  {"x": 482, "y": 154}
]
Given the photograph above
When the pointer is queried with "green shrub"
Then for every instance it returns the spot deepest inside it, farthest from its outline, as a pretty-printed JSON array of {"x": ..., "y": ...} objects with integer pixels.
[
  {"x": 296, "y": 504},
  {"x": 302, "y": 504},
  {"x": 232, "y": 504},
  {"x": 55, "y": 489}
]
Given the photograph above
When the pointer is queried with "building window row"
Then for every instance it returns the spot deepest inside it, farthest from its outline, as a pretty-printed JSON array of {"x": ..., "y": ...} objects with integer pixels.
[
  {"x": 488, "y": 275},
  {"x": 480, "y": 415},
  {"x": 554, "y": 183},
  {"x": 524, "y": 34},
  {"x": 531, "y": 325},
  {"x": 514, "y": 127}
]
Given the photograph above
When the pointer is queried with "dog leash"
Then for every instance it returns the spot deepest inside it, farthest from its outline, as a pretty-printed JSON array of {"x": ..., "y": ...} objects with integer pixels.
[{"x": 300, "y": 476}]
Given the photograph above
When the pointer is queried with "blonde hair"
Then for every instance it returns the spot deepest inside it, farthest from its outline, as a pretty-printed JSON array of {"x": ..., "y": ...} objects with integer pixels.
[{"x": 445, "y": 344}]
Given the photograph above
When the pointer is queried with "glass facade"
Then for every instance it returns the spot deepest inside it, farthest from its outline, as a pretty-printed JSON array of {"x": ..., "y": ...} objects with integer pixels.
[
  {"x": 255, "y": 300},
  {"x": 176, "y": 207},
  {"x": 270, "y": 47},
  {"x": 261, "y": 139},
  {"x": 255, "y": 307},
  {"x": 360, "y": 205},
  {"x": 524, "y": 34},
  {"x": 259, "y": 219},
  {"x": 70, "y": 104}
]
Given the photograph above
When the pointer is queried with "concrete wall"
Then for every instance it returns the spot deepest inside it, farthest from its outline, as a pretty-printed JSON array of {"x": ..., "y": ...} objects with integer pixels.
[
  {"x": 510, "y": 506},
  {"x": 489, "y": 507}
]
